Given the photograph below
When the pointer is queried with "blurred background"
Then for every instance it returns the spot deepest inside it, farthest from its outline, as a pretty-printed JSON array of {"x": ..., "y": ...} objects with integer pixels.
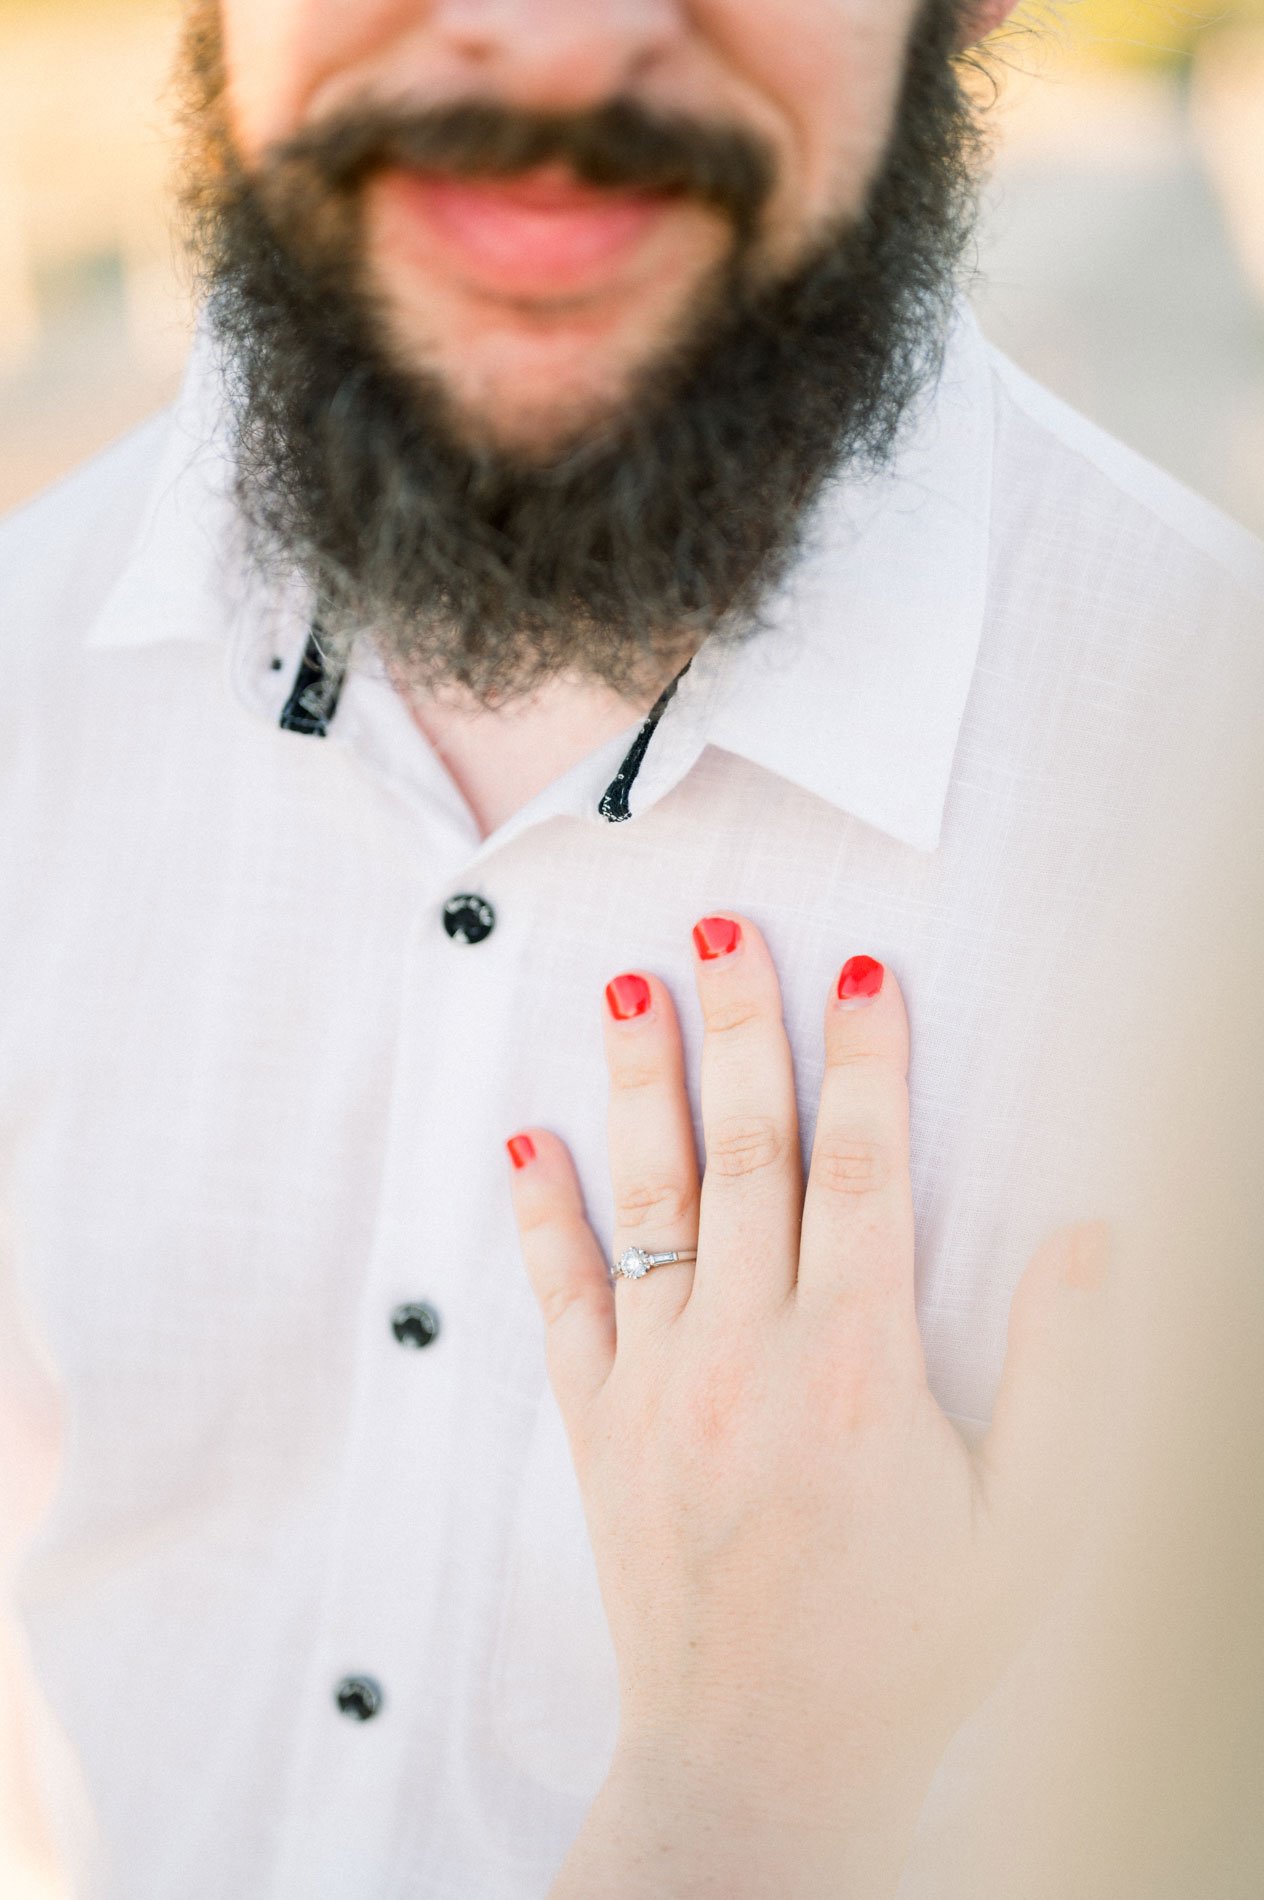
[{"x": 1121, "y": 259}]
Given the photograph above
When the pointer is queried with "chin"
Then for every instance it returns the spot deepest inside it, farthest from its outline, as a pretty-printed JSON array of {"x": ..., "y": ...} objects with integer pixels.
[
  {"x": 540, "y": 429},
  {"x": 534, "y": 381},
  {"x": 530, "y": 403}
]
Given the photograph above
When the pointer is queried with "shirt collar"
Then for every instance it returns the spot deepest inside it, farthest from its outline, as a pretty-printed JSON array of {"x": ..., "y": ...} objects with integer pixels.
[
  {"x": 182, "y": 576},
  {"x": 854, "y": 686}
]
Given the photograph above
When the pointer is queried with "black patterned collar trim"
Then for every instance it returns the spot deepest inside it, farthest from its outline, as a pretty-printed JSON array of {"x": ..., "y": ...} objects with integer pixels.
[
  {"x": 614, "y": 804},
  {"x": 318, "y": 685}
]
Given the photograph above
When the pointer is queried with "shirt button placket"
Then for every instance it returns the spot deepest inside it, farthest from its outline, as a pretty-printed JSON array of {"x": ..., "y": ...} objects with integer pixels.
[
  {"x": 468, "y": 918},
  {"x": 379, "y": 1614}
]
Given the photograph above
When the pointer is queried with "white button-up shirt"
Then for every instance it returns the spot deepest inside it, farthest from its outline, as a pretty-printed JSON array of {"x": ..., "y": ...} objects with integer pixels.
[{"x": 253, "y": 1096}]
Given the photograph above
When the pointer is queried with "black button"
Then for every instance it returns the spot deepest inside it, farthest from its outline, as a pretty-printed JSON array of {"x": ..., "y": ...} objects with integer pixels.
[
  {"x": 468, "y": 919},
  {"x": 358, "y": 1697},
  {"x": 415, "y": 1324}
]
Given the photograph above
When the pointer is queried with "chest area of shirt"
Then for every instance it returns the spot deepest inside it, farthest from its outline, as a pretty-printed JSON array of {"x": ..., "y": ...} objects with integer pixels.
[{"x": 249, "y": 1078}]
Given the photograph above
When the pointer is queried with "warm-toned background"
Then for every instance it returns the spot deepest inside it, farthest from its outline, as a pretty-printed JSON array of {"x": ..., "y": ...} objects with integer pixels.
[{"x": 1122, "y": 261}]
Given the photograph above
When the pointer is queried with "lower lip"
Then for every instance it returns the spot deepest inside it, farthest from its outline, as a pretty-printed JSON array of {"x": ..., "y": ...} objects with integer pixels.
[{"x": 513, "y": 240}]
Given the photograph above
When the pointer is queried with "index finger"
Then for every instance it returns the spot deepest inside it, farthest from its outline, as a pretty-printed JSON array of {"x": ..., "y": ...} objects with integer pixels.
[{"x": 857, "y": 1244}]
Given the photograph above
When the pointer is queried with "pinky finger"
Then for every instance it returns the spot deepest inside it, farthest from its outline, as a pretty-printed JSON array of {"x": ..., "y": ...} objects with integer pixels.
[{"x": 566, "y": 1267}]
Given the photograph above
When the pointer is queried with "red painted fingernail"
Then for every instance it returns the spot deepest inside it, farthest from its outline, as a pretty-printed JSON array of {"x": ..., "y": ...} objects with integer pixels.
[
  {"x": 627, "y": 996},
  {"x": 521, "y": 1150},
  {"x": 716, "y": 937},
  {"x": 859, "y": 980}
]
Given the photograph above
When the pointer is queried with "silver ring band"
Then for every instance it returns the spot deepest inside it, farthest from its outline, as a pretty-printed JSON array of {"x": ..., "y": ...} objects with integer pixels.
[{"x": 634, "y": 1263}]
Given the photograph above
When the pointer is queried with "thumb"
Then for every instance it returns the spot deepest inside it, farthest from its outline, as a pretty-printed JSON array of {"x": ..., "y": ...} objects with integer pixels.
[{"x": 1045, "y": 1439}]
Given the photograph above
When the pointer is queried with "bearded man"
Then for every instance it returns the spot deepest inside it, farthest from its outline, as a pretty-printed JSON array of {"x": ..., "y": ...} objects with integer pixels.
[{"x": 590, "y": 509}]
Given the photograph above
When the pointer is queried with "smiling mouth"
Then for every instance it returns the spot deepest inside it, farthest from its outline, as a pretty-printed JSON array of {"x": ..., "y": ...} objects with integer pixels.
[{"x": 541, "y": 235}]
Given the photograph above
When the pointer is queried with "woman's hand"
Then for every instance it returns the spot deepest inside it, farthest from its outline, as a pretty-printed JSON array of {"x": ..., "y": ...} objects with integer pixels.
[{"x": 809, "y": 1579}]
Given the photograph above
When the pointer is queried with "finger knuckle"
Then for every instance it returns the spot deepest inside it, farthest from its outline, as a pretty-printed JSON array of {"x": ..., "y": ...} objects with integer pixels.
[
  {"x": 562, "y": 1299},
  {"x": 537, "y": 1218},
  {"x": 721, "y": 1400},
  {"x": 718, "y": 1403},
  {"x": 865, "y": 1378},
  {"x": 631, "y": 1075},
  {"x": 658, "y": 1203},
  {"x": 732, "y": 1016},
  {"x": 745, "y": 1145},
  {"x": 852, "y": 1165}
]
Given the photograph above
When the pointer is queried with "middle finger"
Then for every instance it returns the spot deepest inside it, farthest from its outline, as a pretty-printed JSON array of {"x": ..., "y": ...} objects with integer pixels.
[{"x": 752, "y": 1185}]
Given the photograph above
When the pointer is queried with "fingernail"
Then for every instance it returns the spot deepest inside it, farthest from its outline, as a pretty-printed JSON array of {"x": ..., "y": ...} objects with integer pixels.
[
  {"x": 521, "y": 1150},
  {"x": 716, "y": 937},
  {"x": 859, "y": 981},
  {"x": 627, "y": 996}
]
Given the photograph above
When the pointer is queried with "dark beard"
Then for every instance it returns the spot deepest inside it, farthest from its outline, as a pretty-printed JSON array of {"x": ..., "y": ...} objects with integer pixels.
[{"x": 613, "y": 557}]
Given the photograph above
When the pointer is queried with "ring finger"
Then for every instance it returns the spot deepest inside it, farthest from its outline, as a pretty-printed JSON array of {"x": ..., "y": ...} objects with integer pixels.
[{"x": 653, "y": 1158}]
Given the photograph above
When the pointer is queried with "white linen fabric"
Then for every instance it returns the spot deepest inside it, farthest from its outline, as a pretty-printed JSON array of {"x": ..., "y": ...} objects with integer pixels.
[{"x": 253, "y": 1096}]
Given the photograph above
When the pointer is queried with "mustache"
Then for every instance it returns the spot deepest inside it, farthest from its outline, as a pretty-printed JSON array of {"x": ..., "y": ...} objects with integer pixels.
[{"x": 618, "y": 145}]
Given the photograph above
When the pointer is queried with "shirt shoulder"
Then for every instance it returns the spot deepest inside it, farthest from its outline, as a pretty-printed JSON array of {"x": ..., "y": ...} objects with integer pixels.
[
  {"x": 1120, "y": 674},
  {"x": 61, "y": 554},
  {"x": 1101, "y": 524}
]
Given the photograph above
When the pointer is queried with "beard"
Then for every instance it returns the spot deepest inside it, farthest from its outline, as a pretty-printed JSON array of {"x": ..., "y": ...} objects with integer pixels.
[{"x": 612, "y": 555}]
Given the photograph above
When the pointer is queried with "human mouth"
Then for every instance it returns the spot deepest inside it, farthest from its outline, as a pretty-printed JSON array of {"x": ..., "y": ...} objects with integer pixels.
[{"x": 541, "y": 236}]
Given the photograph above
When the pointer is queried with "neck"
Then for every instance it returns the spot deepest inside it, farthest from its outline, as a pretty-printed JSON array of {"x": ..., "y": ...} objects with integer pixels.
[{"x": 500, "y": 759}]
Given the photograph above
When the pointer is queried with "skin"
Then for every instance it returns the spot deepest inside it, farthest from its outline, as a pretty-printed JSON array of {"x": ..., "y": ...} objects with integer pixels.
[
  {"x": 788, "y": 1450},
  {"x": 816, "y": 78},
  {"x": 810, "y": 1579},
  {"x": 523, "y": 350}
]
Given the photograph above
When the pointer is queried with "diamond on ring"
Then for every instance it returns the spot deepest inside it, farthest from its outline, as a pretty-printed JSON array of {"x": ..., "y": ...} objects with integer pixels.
[{"x": 634, "y": 1263}]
